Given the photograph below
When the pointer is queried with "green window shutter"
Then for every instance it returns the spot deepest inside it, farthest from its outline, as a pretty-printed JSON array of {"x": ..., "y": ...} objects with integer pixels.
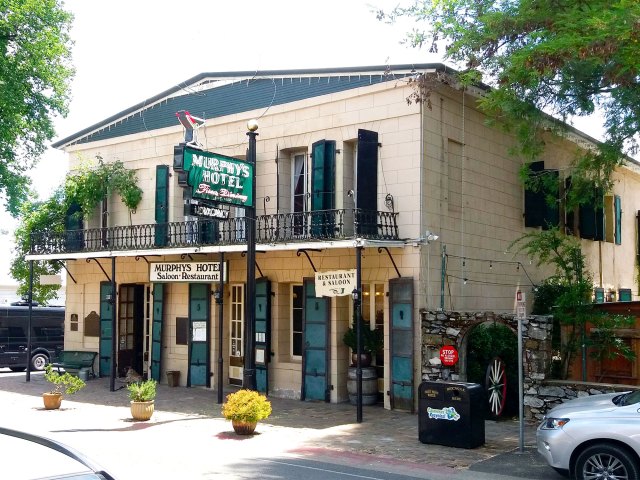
[
  {"x": 323, "y": 167},
  {"x": 162, "y": 204},
  {"x": 552, "y": 212},
  {"x": 73, "y": 225},
  {"x": 592, "y": 220},
  {"x": 534, "y": 205},
  {"x": 367, "y": 183},
  {"x": 537, "y": 211},
  {"x": 367, "y": 170},
  {"x": 618, "y": 213},
  {"x": 323, "y": 173}
]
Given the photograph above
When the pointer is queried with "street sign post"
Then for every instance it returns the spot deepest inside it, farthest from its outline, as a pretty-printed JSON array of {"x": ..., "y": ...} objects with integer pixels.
[{"x": 521, "y": 315}]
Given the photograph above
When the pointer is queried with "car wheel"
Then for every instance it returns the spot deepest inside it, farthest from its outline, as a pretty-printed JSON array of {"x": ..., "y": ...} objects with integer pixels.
[
  {"x": 605, "y": 461},
  {"x": 17, "y": 369},
  {"x": 38, "y": 361}
]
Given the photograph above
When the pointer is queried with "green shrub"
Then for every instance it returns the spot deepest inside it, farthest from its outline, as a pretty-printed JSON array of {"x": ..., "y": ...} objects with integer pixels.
[
  {"x": 246, "y": 406},
  {"x": 62, "y": 382},
  {"x": 142, "y": 391}
]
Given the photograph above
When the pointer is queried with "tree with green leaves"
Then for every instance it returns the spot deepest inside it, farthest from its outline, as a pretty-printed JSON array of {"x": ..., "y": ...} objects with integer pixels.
[
  {"x": 544, "y": 57},
  {"x": 566, "y": 295},
  {"x": 85, "y": 188},
  {"x": 35, "y": 73}
]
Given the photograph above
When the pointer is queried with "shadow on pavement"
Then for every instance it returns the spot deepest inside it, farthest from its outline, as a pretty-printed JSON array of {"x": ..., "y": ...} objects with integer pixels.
[{"x": 528, "y": 464}]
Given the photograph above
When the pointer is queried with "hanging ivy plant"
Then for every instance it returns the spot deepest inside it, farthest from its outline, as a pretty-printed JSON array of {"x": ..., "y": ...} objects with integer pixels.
[
  {"x": 87, "y": 187},
  {"x": 91, "y": 184}
]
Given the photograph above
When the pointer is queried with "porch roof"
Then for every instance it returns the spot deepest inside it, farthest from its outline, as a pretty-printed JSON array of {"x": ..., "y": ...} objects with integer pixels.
[{"x": 203, "y": 249}]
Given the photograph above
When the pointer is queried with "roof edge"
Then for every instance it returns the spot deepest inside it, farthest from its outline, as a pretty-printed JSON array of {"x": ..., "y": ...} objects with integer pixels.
[{"x": 253, "y": 73}]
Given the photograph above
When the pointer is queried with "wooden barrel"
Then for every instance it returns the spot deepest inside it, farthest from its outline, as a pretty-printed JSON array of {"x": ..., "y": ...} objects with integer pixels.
[{"x": 369, "y": 386}]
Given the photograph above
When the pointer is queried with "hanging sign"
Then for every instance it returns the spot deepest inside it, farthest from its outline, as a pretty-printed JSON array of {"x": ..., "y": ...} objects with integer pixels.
[
  {"x": 215, "y": 177},
  {"x": 337, "y": 283},
  {"x": 448, "y": 355},
  {"x": 201, "y": 272}
]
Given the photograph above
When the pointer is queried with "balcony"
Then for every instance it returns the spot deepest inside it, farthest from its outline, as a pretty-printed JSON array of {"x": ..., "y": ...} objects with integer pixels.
[{"x": 320, "y": 225}]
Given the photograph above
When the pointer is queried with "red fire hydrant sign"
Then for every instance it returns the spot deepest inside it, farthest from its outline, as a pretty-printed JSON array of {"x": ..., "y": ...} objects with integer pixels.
[{"x": 448, "y": 355}]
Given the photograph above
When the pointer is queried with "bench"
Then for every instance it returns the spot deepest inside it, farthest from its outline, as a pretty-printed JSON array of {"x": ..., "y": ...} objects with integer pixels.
[{"x": 75, "y": 360}]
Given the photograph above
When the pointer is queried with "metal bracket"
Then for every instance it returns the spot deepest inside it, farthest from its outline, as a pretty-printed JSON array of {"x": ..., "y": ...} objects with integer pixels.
[
  {"x": 65, "y": 267},
  {"x": 391, "y": 258},
  {"x": 138, "y": 257},
  {"x": 305, "y": 250},
  {"x": 100, "y": 265},
  {"x": 244, "y": 254}
]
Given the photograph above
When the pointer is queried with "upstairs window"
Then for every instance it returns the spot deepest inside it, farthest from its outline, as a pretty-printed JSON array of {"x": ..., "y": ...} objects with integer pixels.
[{"x": 539, "y": 211}]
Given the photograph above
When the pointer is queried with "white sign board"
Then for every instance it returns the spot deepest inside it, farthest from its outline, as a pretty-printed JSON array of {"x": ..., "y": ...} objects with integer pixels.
[
  {"x": 199, "y": 332},
  {"x": 337, "y": 283},
  {"x": 521, "y": 306},
  {"x": 50, "y": 280},
  {"x": 201, "y": 272}
]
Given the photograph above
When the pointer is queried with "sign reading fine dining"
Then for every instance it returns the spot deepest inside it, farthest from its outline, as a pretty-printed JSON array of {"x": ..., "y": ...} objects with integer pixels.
[
  {"x": 201, "y": 272},
  {"x": 214, "y": 177}
]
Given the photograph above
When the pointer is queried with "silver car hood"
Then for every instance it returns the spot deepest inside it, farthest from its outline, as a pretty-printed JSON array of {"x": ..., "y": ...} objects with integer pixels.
[{"x": 590, "y": 404}]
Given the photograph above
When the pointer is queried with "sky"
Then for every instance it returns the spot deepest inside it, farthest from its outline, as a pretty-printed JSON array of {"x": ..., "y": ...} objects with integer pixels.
[{"x": 127, "y": 51}]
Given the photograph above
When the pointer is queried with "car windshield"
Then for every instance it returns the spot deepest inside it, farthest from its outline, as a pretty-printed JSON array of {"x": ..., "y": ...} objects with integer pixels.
[{"x": 628, "y": 399}]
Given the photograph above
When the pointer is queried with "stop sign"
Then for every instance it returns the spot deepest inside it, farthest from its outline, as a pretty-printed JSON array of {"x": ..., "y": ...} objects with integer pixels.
[{"x": 448, "y": 355}]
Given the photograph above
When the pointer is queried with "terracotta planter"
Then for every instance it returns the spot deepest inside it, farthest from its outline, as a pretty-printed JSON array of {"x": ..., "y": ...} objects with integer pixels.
[
  {"x": 142, "y": 410},
  {"x": 52, "y": 401},
  {"x": 243, "y": 428}
]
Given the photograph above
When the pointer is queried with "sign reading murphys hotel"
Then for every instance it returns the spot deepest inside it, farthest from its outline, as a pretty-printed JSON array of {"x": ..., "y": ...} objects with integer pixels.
[
  {"x": 336, "y": 283},
  {"x": 186, "y": 272},
  {"x": 214, "y": 177}
]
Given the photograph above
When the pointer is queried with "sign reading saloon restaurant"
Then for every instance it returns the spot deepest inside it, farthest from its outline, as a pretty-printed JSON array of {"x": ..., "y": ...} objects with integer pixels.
[
  {"x": 201, "y": 272},
  {"x": 336, "y": 283},
  {"x": 215, "y": 177}
]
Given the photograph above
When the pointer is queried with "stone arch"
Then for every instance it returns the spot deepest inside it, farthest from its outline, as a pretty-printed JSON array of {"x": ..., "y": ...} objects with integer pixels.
[{"x": 463, "y": 337}]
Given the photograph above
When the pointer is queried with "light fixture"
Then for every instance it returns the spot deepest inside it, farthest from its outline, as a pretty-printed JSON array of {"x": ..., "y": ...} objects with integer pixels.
[
  {"x": 465, "y": 281},
  {"x": 217, "y": 295},
  {"x": 355, "y": 294},
  {"x": 252, "y": 125},
  {"x": 430, "y": 236}
]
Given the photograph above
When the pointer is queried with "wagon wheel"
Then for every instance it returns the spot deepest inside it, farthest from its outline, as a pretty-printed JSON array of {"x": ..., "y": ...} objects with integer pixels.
[{"x": 496, "y": 385}]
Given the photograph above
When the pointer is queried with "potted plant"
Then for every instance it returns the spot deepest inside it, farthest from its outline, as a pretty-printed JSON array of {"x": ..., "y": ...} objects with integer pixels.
[
  {"x": 372, "y": 342},
  {"x": 62, "y": 383},
  {"x": 142, "y": 395},
  {"x": 245, "y": 408}
]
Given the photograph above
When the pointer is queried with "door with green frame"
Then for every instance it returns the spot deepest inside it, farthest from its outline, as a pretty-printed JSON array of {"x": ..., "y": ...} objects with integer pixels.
[
  {"x": 315, "y": 344},
  {"x": 199, "y": 373},
  {"x": 263, "y": 333},
  {"x": 401, "y": 333}
]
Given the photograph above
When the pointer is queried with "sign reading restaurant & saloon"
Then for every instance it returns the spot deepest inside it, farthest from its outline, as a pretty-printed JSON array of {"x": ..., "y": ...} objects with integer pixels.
[
  {"x": 201, "y": 272},
  {"x": 336, "y": 283},
  {"x": 215, "y": 177}
]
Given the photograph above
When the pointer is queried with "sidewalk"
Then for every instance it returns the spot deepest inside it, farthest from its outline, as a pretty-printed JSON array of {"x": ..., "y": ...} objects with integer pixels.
[{"x": 318, "y": 426}]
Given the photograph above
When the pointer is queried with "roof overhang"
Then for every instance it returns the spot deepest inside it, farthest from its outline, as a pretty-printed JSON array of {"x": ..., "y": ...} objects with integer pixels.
[{"x": 262, "y": 247}]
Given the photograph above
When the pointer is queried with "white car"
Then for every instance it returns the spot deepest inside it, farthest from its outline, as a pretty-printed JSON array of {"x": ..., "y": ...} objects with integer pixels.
[{"x": 596, "y": 437}]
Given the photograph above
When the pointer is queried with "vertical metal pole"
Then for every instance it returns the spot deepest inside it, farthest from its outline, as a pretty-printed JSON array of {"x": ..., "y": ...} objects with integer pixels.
[
  {"x": 249, "y": 371},
  {"x": 29, "y": 322},
  {"x": 114, "y": 332},
  {"x": 520, "y": 387},
  {"x": 220, "y": 326},
  {"x": 443, "y": 270},
  {"x": 356, "y": 306}
]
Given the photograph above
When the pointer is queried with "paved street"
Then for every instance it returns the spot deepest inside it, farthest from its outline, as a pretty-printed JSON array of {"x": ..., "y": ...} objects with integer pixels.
[{"x": 188, "y": 438}]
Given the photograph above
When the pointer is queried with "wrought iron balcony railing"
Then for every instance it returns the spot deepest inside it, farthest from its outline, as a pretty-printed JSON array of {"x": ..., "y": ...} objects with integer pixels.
[{"x": 285, "y": 227}]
